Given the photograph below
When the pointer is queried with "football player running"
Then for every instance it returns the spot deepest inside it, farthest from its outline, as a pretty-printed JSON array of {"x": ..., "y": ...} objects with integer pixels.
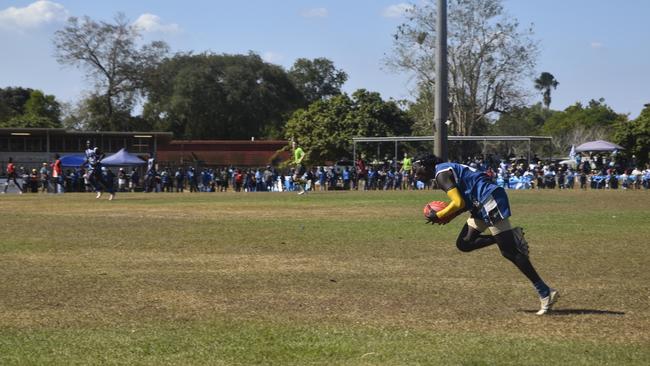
[
  {"x": 94, "y": 164},
  {"x": 471, "y": 190}
]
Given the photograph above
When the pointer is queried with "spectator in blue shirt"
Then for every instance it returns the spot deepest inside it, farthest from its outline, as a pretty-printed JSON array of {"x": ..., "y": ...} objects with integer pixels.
[{"x": 346, "y": 178}]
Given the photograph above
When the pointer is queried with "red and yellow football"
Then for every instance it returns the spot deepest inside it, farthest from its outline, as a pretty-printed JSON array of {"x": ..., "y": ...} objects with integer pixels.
[{"x": 435, "y": 206}]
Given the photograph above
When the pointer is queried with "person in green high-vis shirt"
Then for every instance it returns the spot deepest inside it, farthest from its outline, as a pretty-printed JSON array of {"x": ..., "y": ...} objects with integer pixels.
[
  {"x": 406, "y": 171},
  {"x": 299, "y": 168}
]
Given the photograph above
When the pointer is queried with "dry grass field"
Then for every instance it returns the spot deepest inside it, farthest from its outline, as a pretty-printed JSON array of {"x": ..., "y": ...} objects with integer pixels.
[{"x": 336, "y": 278}]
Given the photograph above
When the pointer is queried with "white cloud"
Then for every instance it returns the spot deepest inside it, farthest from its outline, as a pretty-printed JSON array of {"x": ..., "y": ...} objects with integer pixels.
[
  {"x": 150, "y": 23},
  {"x": 397, "y": 10},
  {"x": 32, "y": 16},
  {"x": 597, "y": 45},
  {"x": 315, "y": 13},
  {"x": 272, "y": 57}
]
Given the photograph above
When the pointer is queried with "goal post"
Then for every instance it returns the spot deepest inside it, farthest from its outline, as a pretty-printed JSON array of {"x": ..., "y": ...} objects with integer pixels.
[{"x": 483, "y": 140}]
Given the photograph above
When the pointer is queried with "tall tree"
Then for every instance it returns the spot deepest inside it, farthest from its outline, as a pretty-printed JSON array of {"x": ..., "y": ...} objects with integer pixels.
[
  {"x": 317, "y": 79},
  {"x": 577, "y": 124},
  {"x": 634, "y": 136},
  {"x": 544, "y": 83},
  {"x": 488, "y": 57},
  {"x": 325, "y": 129},
  {"x": 109, "y": 53},
  {"x": 90, "y": 113},
  {"x": 210, "y": 96},
  {"x": 422, "y": 110}
]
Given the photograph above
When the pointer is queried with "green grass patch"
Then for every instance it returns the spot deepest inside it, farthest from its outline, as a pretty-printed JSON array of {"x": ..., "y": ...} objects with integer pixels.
[
  {"x": 250, "y": 343},
  {"x": 341, "y": 278}
]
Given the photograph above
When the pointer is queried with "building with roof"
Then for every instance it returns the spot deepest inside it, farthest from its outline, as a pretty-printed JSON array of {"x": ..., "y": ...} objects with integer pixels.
[
  {"x": 241, "y": 153},
  {"x": 30, "y": 147}
]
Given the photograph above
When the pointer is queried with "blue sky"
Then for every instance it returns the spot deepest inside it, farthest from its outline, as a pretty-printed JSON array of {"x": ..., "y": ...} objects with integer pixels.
[{"x": 595, "y": 48}]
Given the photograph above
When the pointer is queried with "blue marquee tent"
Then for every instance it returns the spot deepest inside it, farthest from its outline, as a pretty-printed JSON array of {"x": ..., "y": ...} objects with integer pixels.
[
  {"x": 123, "y": 158},
  {"x": 72, "y": 161}
]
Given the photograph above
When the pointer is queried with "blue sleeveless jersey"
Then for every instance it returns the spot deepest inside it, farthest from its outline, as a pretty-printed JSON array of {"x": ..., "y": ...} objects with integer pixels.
[
  {"x": 92, "y": 157},
  {"x": 475, "y": 186}
]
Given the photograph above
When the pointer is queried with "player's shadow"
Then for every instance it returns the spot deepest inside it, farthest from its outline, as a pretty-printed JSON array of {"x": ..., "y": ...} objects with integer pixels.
[{"x": 560, "y": 312}]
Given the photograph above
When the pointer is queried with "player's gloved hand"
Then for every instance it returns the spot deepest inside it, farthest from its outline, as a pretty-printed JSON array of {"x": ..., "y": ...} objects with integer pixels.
[
  {"x": 432, "y": 218},
  {"x": 443, "y": 221}
]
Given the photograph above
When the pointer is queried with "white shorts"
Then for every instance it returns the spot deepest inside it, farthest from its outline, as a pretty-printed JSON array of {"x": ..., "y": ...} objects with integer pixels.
[{"x": 481, "y": 226}]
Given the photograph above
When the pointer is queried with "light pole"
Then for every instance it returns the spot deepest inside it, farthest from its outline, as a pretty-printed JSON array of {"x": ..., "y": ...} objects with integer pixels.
[{"x": 441, "y": 105}]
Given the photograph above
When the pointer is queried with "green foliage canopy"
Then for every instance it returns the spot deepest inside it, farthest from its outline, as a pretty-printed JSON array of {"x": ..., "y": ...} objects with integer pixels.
[
  {"x": 30, "y": 121},
  {"x": 521, "y": 121},
  {"x": 210, "y": 96},
  {"x": 12, "y": 102},
  {"x": 325, "y": 129},
  {"x": 422, "y": 110},
  {"x": 91, "y": 113},
  {"x": 27, "y": 108},
  {"x": 317, "y": 79},
  {"x": 41, "y": 105},
  {"x": 635, "y": 137},
  {"x": 596, "y": 115}
]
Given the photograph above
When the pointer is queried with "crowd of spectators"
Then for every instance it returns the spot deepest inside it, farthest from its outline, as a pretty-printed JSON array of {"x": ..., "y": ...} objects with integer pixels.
[{"x": 594, "y": 172}]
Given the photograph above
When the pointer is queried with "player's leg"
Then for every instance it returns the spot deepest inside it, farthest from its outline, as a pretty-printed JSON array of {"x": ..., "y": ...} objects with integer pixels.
[
  {"x": 58, "y": 186},
  {"x": 91, "y": 181},
  {"x": 507, "y": 242},
  {"x": 470, "y": 237},
  {"x": 105, "y": 184},
  {"x": 299, "y": 184},
  {"x": 108, "y": 185},
  {"x": 11, "y": 178},
  {"x": 514, "y": 247},
  {"x": 298, "y": 178},
  {"x": 95, "y": 180},
  {"x": 21, "y": 189}
]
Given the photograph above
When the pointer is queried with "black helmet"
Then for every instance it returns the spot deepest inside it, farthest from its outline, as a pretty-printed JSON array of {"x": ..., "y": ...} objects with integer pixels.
[{"x": 426, "y": 159}]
